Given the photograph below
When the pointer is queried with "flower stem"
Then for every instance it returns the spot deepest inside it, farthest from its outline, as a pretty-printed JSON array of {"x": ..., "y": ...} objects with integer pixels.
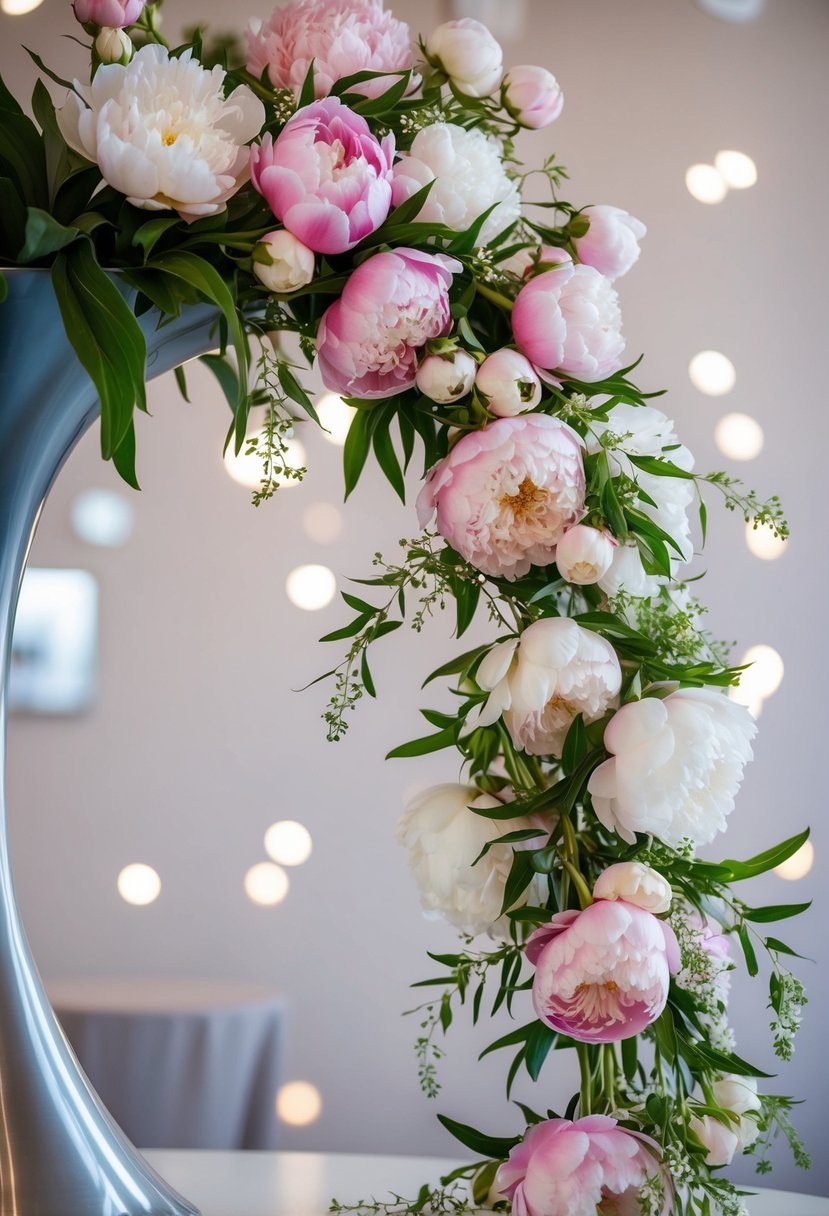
[
  {"x": 586, "y": 1087},
  {"x": 494, "y": 296}
]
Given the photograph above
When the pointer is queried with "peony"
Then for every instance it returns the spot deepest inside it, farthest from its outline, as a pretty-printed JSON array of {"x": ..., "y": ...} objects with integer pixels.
[
  {"x": 562, "y": 1168},
  {"x": 467, "y": 168},
  {"x": 611, "y": 243},
  {"x": 584, "y": 554},
  {"x": 675, "y": 766},
  {"x": 325, "y": 176},
  {"x": 646, "y": 431},
  {"x": 541, "y": 681},
  {"x": 568, "y": 320},
  {"x": 446, "y": 378},
  {"x": 602, "y": 974},
  {"x": 635, "y": 883},
  {"x": 163, "y": 133},
  {"x": 443, "y": 837},
  {"x": 282, "y": 263},
  {"x": 368, "y": 339},
  {"x": 504, "y": 495},
  {"x": 468, "y": 54},
  {"x": 738, "y": 1095},
  {"x": 508, "y": 384},
  {"x": 532, "y": 96},
  {"x": 113, "y": 45},
  {"x": 115, "y": 14},
  {"x": 340, "y": 36}
]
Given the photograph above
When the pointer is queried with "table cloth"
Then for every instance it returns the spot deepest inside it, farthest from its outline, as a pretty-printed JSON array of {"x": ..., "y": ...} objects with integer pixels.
[
  {"x": 179, "y": 1063},
  {"x": 303, "y": 1184}
]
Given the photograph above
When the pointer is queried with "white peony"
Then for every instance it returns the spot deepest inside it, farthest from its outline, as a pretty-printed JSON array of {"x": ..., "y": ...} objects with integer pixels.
[
  {"x": 468, "y": 54},
  {"x": 443, "y": 837},
  {"x": 635, "y": 883},
  {"x": 541, "y": 681},
  {"x": 675, "y": 767},
  {"x": 584, "y": 555},
  {"x": 645, "y": 431},
  {"x": 738, "y": 1095},
  {"x": 508, "y": 383},
  {"x": 468, "y": 171},
  {"x": 446, "y": 378},
  {"x": 163, "y": 133},
  {"x": 282, "y": 263}
]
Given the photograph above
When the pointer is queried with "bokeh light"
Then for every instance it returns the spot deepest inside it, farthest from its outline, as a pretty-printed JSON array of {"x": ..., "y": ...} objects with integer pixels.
[
  {"x": 322, "y": 522},
  {"x": 249, "y": 470},
  {"x": 739, "y": 437},
  {"x": 737, "y": 169},
  {"x": 311, "y": 587},
  {"x": 799, "y": 864},
  {"x": 712, "y": 373},
  {"x": 289, "y": 843},
  {"x": 139, "y": 885},
  {"x": 335, "y": 417},
  {"x": 298, "y": 1103},
  {"x": 763, "y": 542},
  {"x": 266, "y": 884},
  {"x": 706, "y": 184}
]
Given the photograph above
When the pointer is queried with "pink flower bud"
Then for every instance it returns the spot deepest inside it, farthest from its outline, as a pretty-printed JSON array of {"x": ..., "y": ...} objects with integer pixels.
[
  {"x": 611, "y": 243},
  {"x": 584, "y": 555},
  {"x": 507, "y": 381},
  {"x": 446, "y": 378},
  {"x": 532, "y": 96},
  {"x": 114, "y": 14}
]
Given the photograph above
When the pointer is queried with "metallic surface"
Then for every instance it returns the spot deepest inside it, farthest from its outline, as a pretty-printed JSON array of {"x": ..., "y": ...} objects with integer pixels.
[{"x": 61, "y": 1154}]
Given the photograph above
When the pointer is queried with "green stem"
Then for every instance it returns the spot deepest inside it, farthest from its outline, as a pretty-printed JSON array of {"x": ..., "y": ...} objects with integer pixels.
[
  {"x": 586, "y": 1087},
  {"x": 493, "y": 296},
  {"x": 609, "y": 1075}
]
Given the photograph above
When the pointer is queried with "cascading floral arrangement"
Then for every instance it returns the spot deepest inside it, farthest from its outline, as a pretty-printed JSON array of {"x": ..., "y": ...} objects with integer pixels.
[{"x": 369, "y": 201}]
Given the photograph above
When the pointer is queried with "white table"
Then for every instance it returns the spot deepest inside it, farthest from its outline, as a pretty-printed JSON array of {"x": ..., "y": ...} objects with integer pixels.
[
  {"x": 180, "y": 1063},
  {"x": 303, "y": 1184}
]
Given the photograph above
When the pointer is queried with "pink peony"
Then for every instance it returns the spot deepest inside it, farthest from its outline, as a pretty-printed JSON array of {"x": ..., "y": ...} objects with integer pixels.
[
  {"x": 578, "y": 1169},
  {"x": 568, "y": 320},
  {"x": 532, "y": 96},
  {"x": 611, "y": 243},
  {"x": 115, "y": 14},
  {"x": 392, "y": 304},
  {"x": 341, "y": 36},
  {"x": 325, "y": 176},
  {"x": 506, "y": 494},
  {"x": 602, "y": 974}
]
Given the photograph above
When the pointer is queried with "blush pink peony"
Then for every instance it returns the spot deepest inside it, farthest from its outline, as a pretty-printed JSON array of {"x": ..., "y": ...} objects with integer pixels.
[
  {"x": 567, "y": 319},
  {"x": 341, "y": 37},
  {"x": 325, "y": 176},
  {"x": 602, "y": 974},
  {"x": 562, "y": 1168},
  {"x": 532, "y": 96},
  {"x": 114, "y": 14},
  {"x": 368, "y": 340},
  {"x": 505, "y": 495},
  {"x": 611, "y": 243}
]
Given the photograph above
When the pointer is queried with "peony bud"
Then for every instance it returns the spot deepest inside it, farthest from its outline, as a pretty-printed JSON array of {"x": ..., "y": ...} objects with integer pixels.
[
  {"x": 635, "y": 883},
  {"x": 584, "y": 555},
  {"x": 532, "y": 96},
  {"x": 469, "y": 56},
  {"x": 108, "y": 14},
  {"x": 446, "y": 378},
  {"x": 610, "y": 242},
  {"x": 720, "y": 1139},
  {"x": 508, "y": 383},
  {"x": 282, "y": 263},
  {"x": 113, "y": 46}
]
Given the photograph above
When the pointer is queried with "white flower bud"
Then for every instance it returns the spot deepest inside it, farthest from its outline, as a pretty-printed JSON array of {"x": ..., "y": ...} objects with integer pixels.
[
  {"x": 113, "y": 46},
  {"x": 507, "y": 381},
  {"x": 446, "y": 378},
  {"x": 282, "y": 263},
  {"x": 584, "y": 555},
  {"x": 635, "y": 883},
  {"x": 469, "y": 56}
]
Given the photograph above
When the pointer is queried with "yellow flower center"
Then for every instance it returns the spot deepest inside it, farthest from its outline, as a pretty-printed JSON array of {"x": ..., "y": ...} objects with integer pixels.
[
  {"x": 522, "y": 503},
  {"x": 169, "y": 138}
]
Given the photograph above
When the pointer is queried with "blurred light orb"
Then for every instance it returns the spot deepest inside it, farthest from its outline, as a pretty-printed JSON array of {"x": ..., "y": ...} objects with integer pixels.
[
  {"x": 739, "y": 437},
  {"x": 311, "y": 587},
  {"x": 733, "y": 10},
  {"x": 764, "y": 672},
  {"x": 249, "y": 470},
  {"x": 712, "y": 373},
  {"x": 298, "y": 1103},
  {"x": 335, "y": 417},
  {"x": 323, "y": 523},
  {"x": 102, "y": 517},
  {"x": 289, "y": 843},
  {"x": 706, "y": 184},
  {"x": 266, "y": 884},
  {"x": 763, "y": 543},
  {"x": 738, "y": 169},
  {"x": 139, "y": 885},
  {"x": 799, "y": 864},
  {"x": 16, "y": 8}
]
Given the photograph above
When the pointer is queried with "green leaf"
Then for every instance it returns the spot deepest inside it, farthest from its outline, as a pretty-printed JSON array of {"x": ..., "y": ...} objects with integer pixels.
[
  {"x": 348, "y": 631},
  {"x": 386, "y": 101},
  {"x": 106, "y": 338},
  {"x": 23, "y": 158},
  {"x": 519, "y": 878},
  {"x": 540, "y": 1040},
  {"x": 385, "y": 453},
  {"x": 148, "y": 235},
  {"x": 12, "y": 219},
  {"x": 4, "y": 287},
  {"x": 748, "y": 950},
  {"x": 295, "y": 392},
  {"x": 460, "y": 664},
  {"x": 357, "y": 447},
  {"x": 366, "y": 677},
  {"x": 657, "y": 466},
  {"x": 495, "y": 1147},
  {"x": 226, "y": 376},
  {"x": 425, "y": 745},
  {"x": 124, "y": 457},
  {"x": 772, "y": 857},
  {"x": 775, "y": 912},
  {"x": 357, "y": 604},
  {"x": 520, "y": 1035},
  {"x": 44, "y": 235},
  {"x": 576, "y": 745},
  {"x": 307, "y": 92},
  {"x": 774, "y": 943}
]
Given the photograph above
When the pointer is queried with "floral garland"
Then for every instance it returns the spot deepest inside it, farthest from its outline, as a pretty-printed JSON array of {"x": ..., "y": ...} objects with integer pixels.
[{"x": 448, "y": 293}]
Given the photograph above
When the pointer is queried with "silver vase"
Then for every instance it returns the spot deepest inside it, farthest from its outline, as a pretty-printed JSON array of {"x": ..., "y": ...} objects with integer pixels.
[{"x": 61, "y": 1153}]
